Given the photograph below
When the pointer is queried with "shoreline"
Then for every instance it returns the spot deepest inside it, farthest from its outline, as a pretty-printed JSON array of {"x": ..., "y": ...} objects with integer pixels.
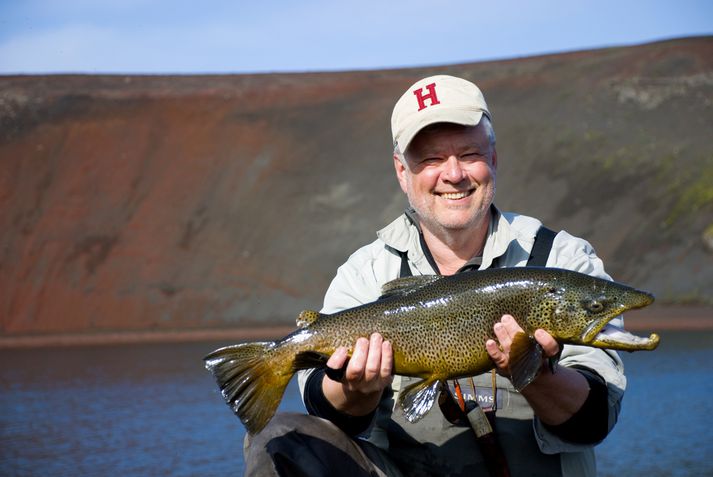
[
  {"x": 146, "y": 336},
  {"x": 673, "y": 318}
]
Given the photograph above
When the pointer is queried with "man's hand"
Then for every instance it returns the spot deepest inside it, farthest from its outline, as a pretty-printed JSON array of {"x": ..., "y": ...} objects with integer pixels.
[
  {"x": 554, "y": 397},
  {"x": 505, "y": 331},
  {"x": 368, "y": 372}
]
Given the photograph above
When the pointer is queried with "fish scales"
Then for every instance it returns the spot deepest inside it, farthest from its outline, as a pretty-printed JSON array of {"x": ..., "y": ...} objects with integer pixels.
[
  {"x": 438, "y": 327},
  {"x": 458, "y": 312}
]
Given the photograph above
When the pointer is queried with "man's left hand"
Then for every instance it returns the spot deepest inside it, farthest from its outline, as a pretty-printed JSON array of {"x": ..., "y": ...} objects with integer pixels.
[
  {"x": 554, "y": 397},
  {"x": 505, "y": 331}
]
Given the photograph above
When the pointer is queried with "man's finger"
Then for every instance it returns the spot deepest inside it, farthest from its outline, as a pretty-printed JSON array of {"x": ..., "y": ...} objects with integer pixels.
[
  {"x": 496, "y": 354},
  {"x": 336, "y": 364},
  {"x": 338, "y": 358},
  {"x": 548, "y": 343},
  {"x": 355, "y": 368},
  {"x": 373, "y": 361},
  {"x": 511, "y": 325},
  {"x": 387, "y": 360},
  {"x": 502, "y": 335}
]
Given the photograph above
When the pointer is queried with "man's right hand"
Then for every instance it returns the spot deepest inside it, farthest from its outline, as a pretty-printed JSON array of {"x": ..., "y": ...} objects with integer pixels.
[{"x": 368, "y": 372}]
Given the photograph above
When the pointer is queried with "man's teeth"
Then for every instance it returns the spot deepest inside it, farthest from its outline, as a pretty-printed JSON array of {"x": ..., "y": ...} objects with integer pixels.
[{"x": 454, "y": 195}]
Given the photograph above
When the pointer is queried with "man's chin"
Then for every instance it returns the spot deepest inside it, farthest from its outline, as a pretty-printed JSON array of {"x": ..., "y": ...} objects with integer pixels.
[
  {"x": 457, "y": 224},
  {"x": 465, "y": 220}
]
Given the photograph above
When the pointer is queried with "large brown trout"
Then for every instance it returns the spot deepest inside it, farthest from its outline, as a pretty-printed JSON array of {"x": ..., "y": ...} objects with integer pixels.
[{"x": 438, "y": 327}]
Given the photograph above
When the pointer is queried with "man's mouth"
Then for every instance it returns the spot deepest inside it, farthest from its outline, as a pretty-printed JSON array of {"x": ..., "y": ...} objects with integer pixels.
[{"x": 455, "y": 195}]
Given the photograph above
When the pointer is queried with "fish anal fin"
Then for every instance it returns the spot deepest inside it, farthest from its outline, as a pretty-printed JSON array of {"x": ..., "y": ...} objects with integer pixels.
[
  {"x": 525, "y": 360},
  {"x": 406, "y": 285},
  {"x": 417, "y": 399},
  {"x": 307, "y": 317}
]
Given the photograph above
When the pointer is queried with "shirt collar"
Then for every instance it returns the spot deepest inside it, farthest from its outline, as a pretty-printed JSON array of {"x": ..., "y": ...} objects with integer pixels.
[
  {"x": 498, "y": 240},
  {"x": 403, "y": 235}
]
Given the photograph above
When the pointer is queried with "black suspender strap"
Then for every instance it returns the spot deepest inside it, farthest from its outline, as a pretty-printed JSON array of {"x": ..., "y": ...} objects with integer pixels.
[
  {"x": 405, "y": 269},
  {"x": 541, "y": 248}
]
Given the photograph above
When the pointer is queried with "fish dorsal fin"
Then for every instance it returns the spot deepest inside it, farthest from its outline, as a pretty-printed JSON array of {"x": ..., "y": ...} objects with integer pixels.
[
  {"x": 418, "y": 398},
  {"x": 307, "y": 317},
  {"x": 525, "y": 360},
  {"x": 406, "y": 285}
]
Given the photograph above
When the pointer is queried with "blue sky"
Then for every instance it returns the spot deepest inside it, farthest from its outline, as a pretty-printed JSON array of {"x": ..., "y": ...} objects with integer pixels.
[{"x": 142, "y": 36}]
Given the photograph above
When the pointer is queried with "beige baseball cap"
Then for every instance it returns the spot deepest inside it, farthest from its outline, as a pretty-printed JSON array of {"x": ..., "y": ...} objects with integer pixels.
[{"x": 436, "y": 99}]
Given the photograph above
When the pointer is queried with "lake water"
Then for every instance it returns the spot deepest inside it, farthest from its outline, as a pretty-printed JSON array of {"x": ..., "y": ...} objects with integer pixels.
[{"x": 152, "y": 410}]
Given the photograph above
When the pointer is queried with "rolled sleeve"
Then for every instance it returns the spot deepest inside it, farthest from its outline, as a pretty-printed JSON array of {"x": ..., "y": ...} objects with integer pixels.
[
  {"x": 578, "y": 255},
  {"x": 606, "y": 364}
]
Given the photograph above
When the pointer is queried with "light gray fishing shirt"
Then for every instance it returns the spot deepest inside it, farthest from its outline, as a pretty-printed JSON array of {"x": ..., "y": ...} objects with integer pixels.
[{"x": 525, "y": 440}]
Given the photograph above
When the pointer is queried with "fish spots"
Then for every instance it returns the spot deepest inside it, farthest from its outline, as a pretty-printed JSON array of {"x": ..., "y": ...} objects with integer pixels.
[
  {"x": 437, "y": 331},
  {"x": 443, "y": 326}
]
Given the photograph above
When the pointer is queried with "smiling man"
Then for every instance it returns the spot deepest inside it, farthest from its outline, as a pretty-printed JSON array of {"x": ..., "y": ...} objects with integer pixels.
[
  {"x": 448, "y": 175},
  {"x": 445, "y": 160}
]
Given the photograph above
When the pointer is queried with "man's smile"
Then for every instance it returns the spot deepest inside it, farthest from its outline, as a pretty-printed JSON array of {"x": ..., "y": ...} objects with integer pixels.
[{"x": 455, "y": 195}]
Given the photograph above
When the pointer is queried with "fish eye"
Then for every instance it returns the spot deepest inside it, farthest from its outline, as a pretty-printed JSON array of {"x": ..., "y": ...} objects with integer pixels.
[{"x": 595, "y": 306}]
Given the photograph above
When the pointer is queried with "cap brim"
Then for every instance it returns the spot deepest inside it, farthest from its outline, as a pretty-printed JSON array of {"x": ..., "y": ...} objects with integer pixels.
[{"x": 455, "y": 116}]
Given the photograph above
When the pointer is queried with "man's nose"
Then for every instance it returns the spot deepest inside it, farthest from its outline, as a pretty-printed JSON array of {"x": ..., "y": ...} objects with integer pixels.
[{"x": 453, "y": 170}]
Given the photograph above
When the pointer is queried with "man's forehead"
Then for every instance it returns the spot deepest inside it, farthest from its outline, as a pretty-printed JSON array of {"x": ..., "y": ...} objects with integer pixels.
[{"x": 433, "y": 137}]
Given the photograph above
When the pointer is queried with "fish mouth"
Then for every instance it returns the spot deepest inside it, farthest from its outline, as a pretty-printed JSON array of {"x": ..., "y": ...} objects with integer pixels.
[
  {"x": 614, "y": 337},
  {"x": 601, "y": 333}
]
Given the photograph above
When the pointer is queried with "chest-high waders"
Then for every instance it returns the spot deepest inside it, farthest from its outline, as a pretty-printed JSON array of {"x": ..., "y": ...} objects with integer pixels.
[{"x": 482, "y": 421}]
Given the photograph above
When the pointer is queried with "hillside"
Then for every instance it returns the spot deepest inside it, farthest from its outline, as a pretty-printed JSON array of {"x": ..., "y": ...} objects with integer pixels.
[{"x": 187, "y": 202}]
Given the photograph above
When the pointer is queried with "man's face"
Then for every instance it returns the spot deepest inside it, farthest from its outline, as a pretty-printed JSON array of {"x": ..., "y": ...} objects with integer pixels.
[{"x": 449, "y": 176}]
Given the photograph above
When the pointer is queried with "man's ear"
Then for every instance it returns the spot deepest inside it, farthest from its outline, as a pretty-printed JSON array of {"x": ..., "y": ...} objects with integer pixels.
[
  {"x": 400, "y": 172},
  {"x": 495, "y": 158}
]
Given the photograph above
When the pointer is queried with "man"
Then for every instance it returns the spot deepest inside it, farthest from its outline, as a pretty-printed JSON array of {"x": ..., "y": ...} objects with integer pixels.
[{"x": 446, "y": 162}]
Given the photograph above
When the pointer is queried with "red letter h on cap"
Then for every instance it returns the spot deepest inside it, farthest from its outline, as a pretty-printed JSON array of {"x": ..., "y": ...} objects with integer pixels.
[{"x": 423, "y": 97}]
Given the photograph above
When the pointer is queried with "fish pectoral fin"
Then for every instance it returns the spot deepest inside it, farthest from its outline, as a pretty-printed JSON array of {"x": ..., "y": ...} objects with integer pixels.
[
  {"x": 417, "y": 399},
  {"x": 310, "y": 359},
  {"x": 525, "y": 360},
  {"x": 315, "y": 359},
  {"x": 404, "y": 286}
]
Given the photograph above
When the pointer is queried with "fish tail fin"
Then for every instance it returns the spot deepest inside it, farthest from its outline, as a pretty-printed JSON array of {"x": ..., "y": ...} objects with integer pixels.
[{"x": 252, "y": 378}]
